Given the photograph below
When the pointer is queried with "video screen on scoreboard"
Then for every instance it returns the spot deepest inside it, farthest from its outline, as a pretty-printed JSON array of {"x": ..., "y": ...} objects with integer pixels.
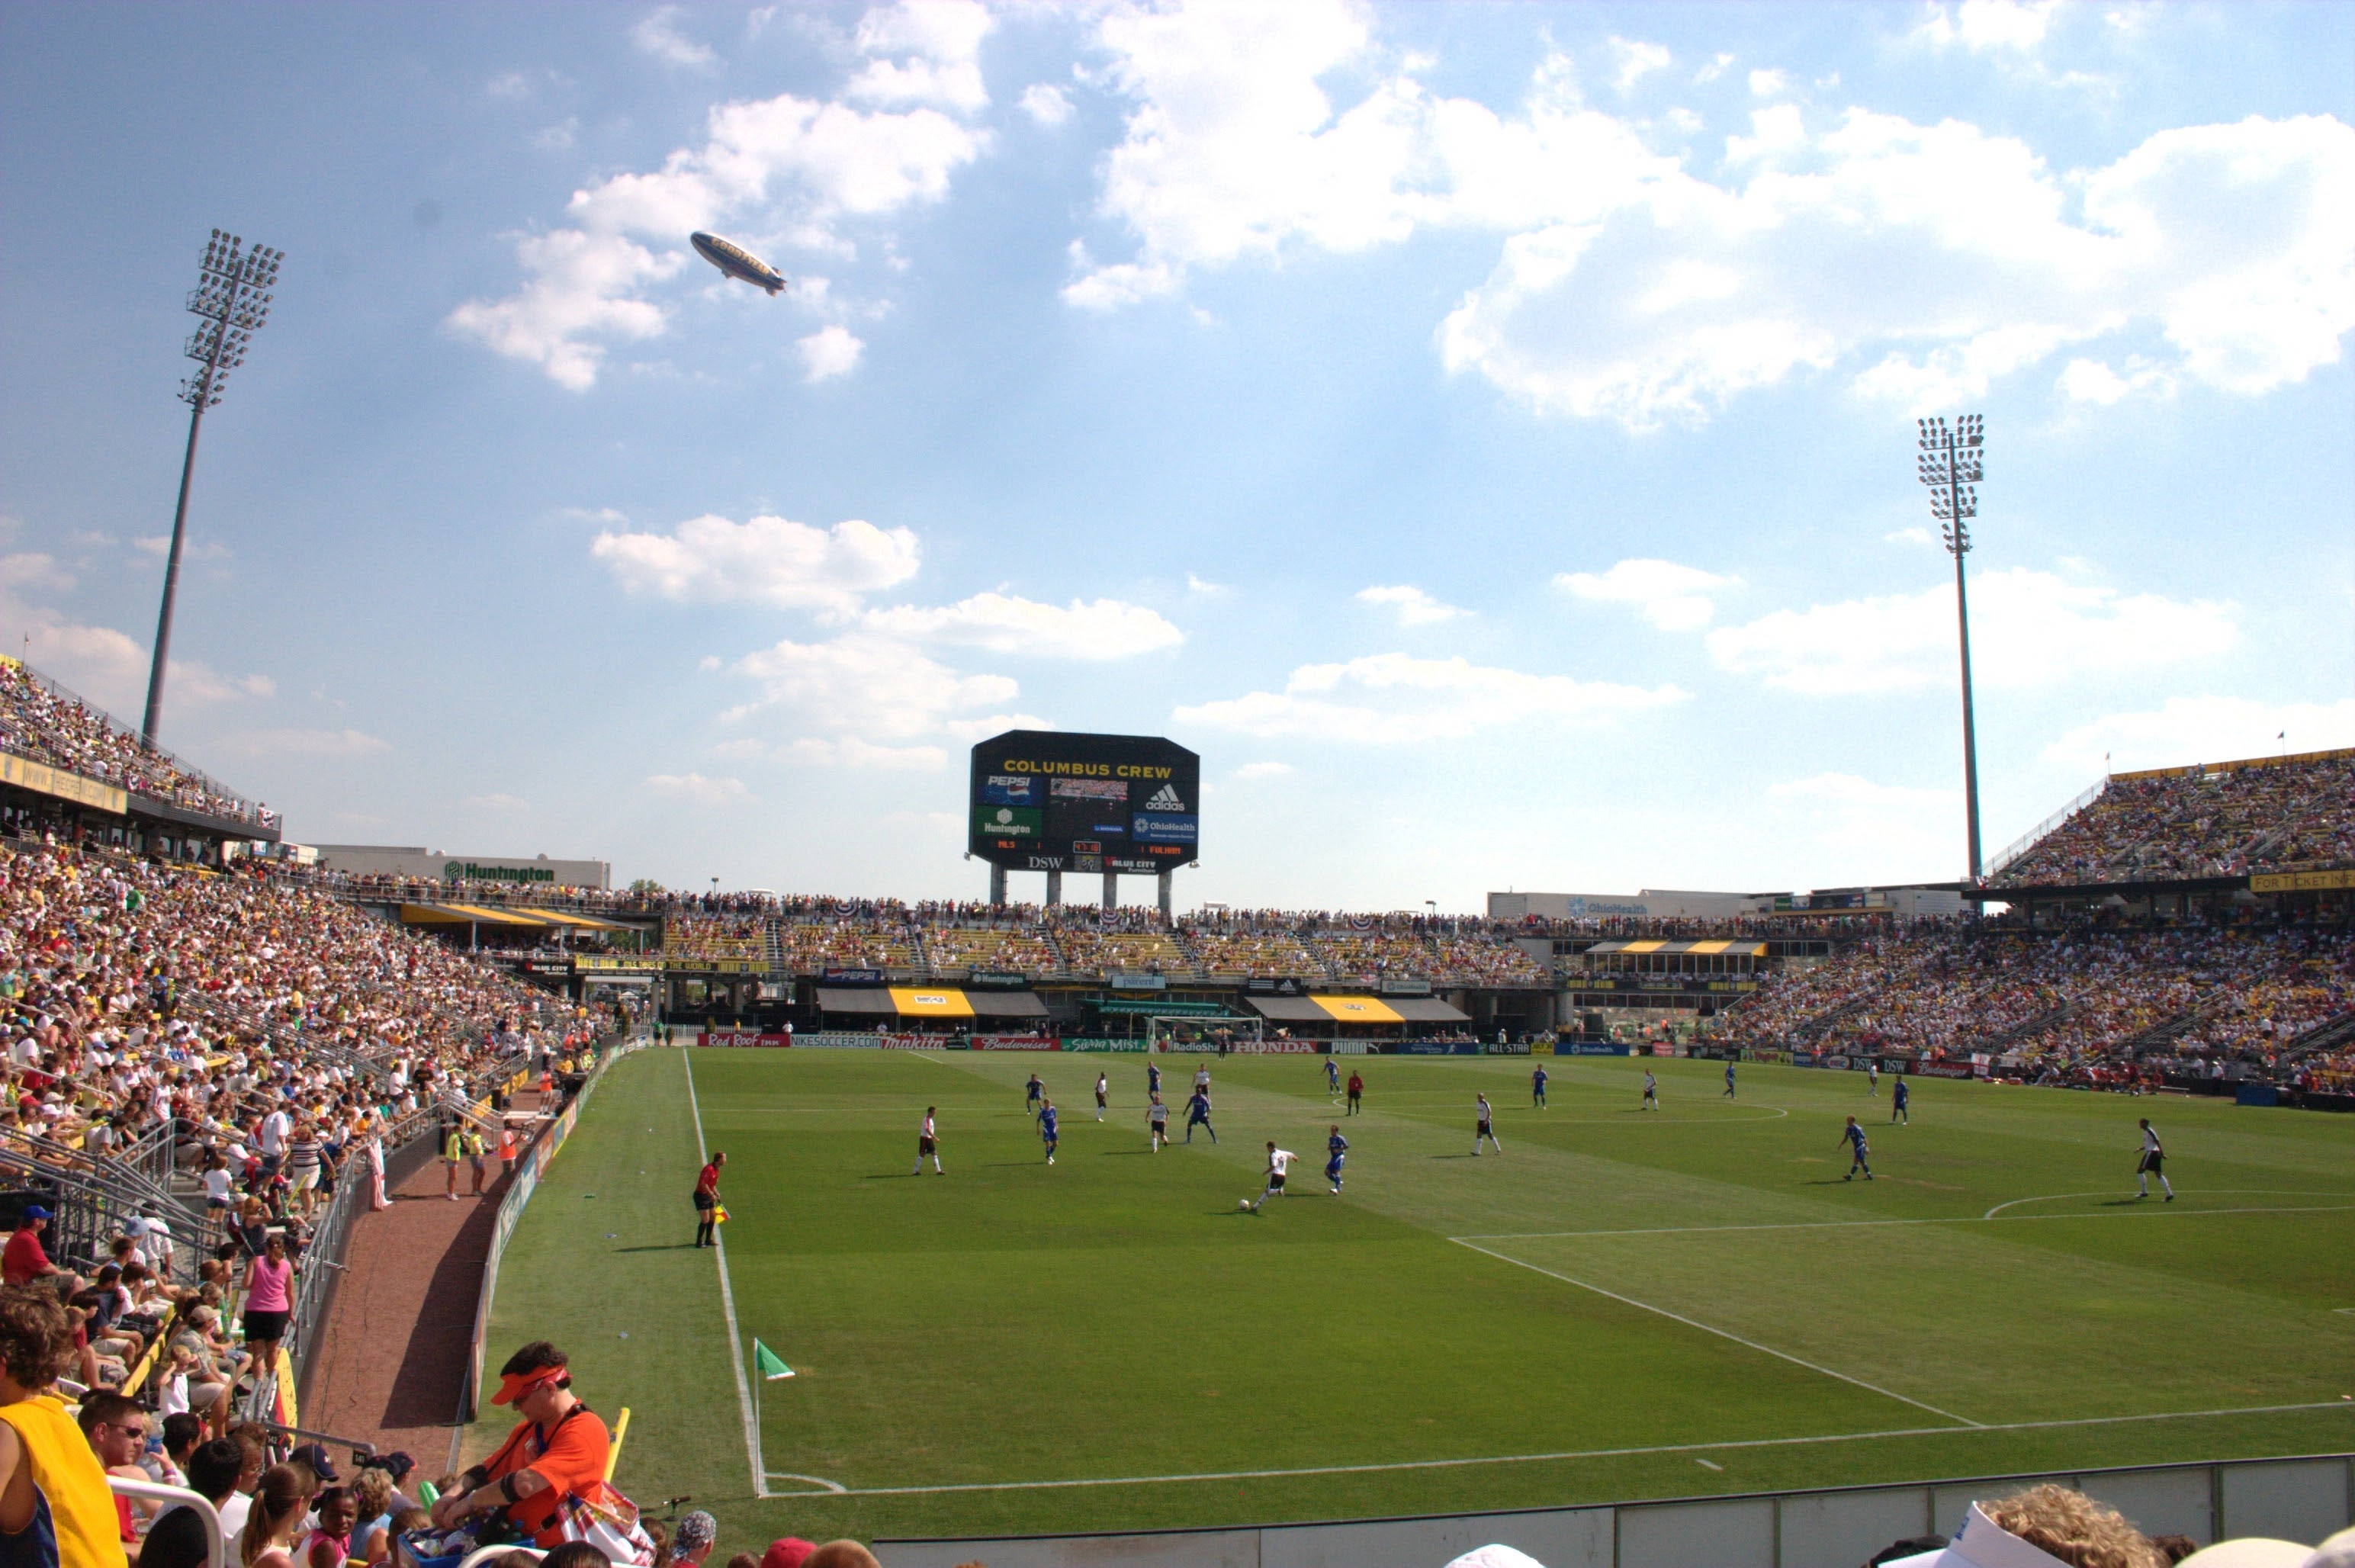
[{"x": 1045, "y": 801}]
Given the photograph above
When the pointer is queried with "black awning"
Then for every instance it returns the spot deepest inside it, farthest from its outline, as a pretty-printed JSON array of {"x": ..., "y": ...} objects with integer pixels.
[
  {"x": 872, "y": 1000},
  {"x": 1005, "y": 1005},
  {"x": 1289, "y": 1009},
  {"x": 1426, "y": 1011}
]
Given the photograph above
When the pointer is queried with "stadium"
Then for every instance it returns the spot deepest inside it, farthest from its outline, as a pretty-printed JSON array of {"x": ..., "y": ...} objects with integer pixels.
[{"x": 1041, "y": 953}]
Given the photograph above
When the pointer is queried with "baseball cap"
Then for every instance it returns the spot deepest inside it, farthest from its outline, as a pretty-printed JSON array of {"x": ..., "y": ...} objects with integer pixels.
[
  {"x": 788, "y": 1552},
  {"x": 35, "y": 1211},
  {"x": 314, "y": 1455}
]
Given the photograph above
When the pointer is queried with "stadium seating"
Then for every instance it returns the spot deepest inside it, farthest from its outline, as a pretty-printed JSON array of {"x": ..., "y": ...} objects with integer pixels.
[
  {"x": 814, "y": 946},
  {"x": 1016, "y": 949},
  {"x": 1093, "y": 953},
  {"x": 2087, "y": 1003},
  {"x": 45, "y": 724},
  {"x": 2260, "y": 815},
  {"x": 732, "y": 937}
]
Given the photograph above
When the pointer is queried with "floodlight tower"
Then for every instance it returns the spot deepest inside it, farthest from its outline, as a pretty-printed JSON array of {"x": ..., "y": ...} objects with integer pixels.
[
  {"x": 1950, "y": 465},
  {"x": 230, "y": 301}
]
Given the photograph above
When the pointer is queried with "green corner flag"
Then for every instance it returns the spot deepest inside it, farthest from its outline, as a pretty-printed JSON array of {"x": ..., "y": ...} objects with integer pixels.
[{"x": 765, "y": 1361}]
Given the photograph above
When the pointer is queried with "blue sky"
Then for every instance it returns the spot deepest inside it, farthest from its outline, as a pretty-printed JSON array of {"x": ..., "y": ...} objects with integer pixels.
[{"x": 1485, "y": 433}]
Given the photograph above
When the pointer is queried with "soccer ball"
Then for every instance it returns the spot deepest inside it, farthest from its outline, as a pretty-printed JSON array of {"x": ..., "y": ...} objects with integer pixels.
[{"x": 1242, "y": 1202}]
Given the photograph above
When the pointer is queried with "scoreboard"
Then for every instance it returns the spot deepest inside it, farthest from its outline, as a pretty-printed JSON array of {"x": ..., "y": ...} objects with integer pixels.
[{"x": 1046, "y": 801}]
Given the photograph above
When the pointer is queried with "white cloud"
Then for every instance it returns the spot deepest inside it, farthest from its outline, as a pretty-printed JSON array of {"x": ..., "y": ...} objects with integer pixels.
[
  {"x": 925, "y": 51},
  {"x": 1867, "y": 831},
  {"x": 2015, "y": 25},
  {"x": 1104, "y": 629},
  {"x": 850, "y": 751},
  {"x": 876, "y": 686},
  {"x": 696, "y": 788},
  {"x": 1921, "y": 262},
  {"x": 828, "y": 352},
  {"x": 192, "y": 682},
  {"x": 2188, "y": 730},
  {"x": 1395, "y": 698},
  {"x": 309, "y": 742},
  {"x": 771, "y": 560},
  {"x": 160, "y": 547},
  {"x": 1414, "y": 607},
  {"x": 496, "y": 801},
  {"x": 798, "y": 165},
  {"x": 1204, "y": 587},
  {"x": 1636, "y": 61},
  {"x": 1674, "y": 598},
  {"x": 1913, "y": 535},
  {"x": 32, "y": 569},
  {"x": 1048, "y": 105},
  {"x": 558, "y": 137},
  {"x": 1767, "y": 83},
  {"x": 1264, "y": 771},
  {"x": 657, "y": 34},
  {"x": 1718, "y": 66},
  {"x": 2028, "y": 629},
  {"x": 509, "y": 84},
  {"x": 2090, "y": 381}
]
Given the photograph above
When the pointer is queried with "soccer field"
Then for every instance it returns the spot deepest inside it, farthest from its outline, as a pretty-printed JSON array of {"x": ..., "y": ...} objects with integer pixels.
[{"x": 1622, "y": 1305}]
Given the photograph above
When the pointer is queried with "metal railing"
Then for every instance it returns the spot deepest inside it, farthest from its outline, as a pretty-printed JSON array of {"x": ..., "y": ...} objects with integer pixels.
[
  {"x": 225, "y": 802},
  {"x": 2028, "y": 839}
]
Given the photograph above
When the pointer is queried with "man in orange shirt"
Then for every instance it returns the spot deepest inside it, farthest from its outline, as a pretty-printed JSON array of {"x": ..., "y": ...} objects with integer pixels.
[{"x": 558, "y": 1447}]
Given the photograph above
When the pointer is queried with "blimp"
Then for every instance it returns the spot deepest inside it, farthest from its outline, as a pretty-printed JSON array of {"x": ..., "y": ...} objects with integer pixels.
[{"x": 737, "y": 262}]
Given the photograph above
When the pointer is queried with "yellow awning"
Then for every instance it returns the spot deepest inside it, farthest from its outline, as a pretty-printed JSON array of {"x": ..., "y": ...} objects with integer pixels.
[
  {"x": 581, "y": 921},
  {"x": 486, "y": 916},
  {"x": 939, "y": 1002},
  {"x": 1652, "y": 945},
  {"x": 1358, "y": 1009}
]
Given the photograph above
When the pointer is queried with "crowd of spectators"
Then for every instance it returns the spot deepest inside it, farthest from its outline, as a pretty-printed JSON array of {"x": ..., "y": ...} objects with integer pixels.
[
  {"x": 2294, "y": 815},
  {"x": 716, "y": 936},
  {"x": 2087, "y": 1002},
  {"x": 813, "y": 947},
  {"x": 45, "y": 724},
  {"x": 1021, "y": 949},
  {"x": 1092, "y": 951}
]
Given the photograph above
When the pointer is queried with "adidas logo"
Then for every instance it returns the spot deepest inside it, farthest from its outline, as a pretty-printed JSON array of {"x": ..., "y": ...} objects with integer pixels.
[{"x": 1166, "y": 799}]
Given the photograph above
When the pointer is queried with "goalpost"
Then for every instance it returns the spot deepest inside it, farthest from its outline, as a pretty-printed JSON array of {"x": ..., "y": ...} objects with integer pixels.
[{"x": 1191, "y": 1031}]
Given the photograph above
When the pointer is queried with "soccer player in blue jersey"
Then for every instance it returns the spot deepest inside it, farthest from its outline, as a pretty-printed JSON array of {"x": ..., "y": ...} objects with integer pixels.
[
  {"x": 1337, "y": 1150},
  {"x": 1047, "y": 1127},
  {"x": 1854, "y": 1137},
  {"x": 1729, "y": 1080},
  {"x": 1899, "y": 1097},
  {"x": 1153, "y": 1078},
  {"x": 1537, "y": 1088},
  {"x": 1037, "y": 1091},
  {"x": 1332, "y": 1077},
  {"x": 1197, "y": 1113}
]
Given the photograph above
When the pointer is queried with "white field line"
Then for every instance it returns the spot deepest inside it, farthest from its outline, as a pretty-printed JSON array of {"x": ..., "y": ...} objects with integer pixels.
[
  {"x": 727, "y": 1306},
  {"x": 2150, "y": 1213},
  {"x": 1567, "y": 1454},
  {"x": 2228, "y": 1191},
  {"x": 1720, "y": 1333}
]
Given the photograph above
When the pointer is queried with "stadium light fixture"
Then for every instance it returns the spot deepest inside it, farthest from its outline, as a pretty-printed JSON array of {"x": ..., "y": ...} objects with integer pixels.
[
  {"x": 230, "y": 302},
  {"x": 1950, "y": 464}
]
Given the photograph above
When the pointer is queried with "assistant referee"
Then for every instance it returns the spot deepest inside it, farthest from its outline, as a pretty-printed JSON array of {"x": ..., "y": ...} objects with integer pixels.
[{"x": 707, "y": 1202}]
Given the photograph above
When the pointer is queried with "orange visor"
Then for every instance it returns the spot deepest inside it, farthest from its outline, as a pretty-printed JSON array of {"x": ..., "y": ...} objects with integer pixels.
[{"x": 513, "y": 1386}]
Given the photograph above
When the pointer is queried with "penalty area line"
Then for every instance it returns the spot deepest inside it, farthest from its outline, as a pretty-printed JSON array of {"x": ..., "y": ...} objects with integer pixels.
[
  {"x": 1720, "y": 1333},
  {"x": 727, "y": 1303},
  {"x": 2150, "y": 1213},
  {"x": 1567, "y": 1454}
]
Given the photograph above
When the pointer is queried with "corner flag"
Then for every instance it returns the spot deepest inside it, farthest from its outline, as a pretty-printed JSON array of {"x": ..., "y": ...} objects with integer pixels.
[{"x": 766, "y": 1362}]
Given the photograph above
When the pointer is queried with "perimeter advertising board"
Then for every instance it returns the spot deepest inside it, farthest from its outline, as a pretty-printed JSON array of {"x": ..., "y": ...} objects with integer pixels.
[{"x": 1043, "y": 801}]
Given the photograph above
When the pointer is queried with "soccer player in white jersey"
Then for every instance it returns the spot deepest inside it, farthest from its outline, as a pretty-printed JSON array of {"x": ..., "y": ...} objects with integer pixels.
[
  {"x": 2154, "y": 1163},
  {"x": 1279, "y": 1160},
  {"x": 1651, "y": 1090},
  {"x": 928, "y": 1142},
  {"x": 1485, "y": 1128},
  {"x": 1203, "y": 1081},
  {"x": 1872, "y": 1078},
  {"x": 1157, "y": 1117},
  {"x": 1103, "y": 1088}
]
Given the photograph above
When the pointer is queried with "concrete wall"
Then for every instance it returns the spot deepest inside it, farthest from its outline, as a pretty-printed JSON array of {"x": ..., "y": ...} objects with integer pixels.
[
  {"x": 2295, "y": 1500},
  {"x": 400, "y": 860}
]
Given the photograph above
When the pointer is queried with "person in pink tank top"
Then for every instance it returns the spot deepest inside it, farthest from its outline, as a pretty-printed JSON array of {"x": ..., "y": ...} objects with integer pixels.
[{"x": 269, "y": 1298}]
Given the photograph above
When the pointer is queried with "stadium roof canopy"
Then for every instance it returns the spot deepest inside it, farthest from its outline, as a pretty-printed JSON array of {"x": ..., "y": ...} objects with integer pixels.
[
  {"x": 1346, "y": 1010},
  {"x": 488, "y": 915},
  {"x": 928, "y": 1002}
]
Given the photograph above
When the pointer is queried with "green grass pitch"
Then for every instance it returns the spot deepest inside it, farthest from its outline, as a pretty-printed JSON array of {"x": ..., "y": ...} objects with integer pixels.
[{"x": 1623, "y": 1304}]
